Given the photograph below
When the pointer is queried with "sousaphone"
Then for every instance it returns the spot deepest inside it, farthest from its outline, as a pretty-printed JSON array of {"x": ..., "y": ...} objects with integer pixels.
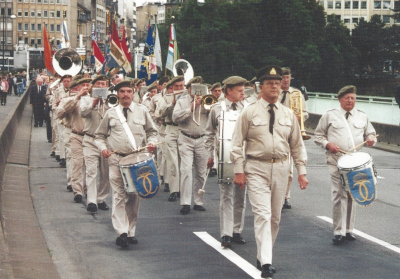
[{"x": 67, "y": 61}]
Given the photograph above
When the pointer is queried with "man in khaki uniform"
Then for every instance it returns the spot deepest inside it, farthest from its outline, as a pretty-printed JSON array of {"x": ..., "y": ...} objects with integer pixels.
[
  {"x": 191, "y": 147},
  {"x": 69, "y": 109},
  {"x": 165, "y": 110},
  {"x": 114, "y": 144},
  {"x": 92, "y": 110},
  {"x": 54, "y": 135},
  {"x": 232, "y": 199},
  {"x": 284, "y": 98},
  {"x": 333, "y": 134},
  {"x": 270, "y": 133}
]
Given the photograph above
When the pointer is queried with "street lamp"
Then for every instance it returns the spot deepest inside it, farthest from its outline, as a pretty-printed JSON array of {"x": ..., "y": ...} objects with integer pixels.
[{"x": 5, "y": 32}]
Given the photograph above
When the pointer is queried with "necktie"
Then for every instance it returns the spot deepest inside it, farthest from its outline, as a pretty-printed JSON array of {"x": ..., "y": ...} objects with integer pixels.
[
  {"x": 347, "y": 114},
  {"x": 284, "y": 96},
  {"x": 234, "y": 106},
  {"x": 39, "y": 89},
  {"x": 272, "y": 118},
  {"x": 126, "y": 113}
]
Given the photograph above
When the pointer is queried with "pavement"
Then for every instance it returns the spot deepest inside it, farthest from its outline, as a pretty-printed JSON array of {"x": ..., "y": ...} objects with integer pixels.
[{"x": 28, "y": 192}]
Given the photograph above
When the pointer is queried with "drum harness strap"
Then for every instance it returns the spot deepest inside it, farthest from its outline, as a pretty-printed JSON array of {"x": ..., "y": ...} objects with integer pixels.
[{"x": 126, "y": 127}]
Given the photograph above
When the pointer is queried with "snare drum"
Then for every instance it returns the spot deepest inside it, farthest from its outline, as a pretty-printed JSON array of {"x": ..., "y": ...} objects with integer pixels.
[
  {"x": 140, "y": 175},
  {"x": 358, "y": 176}
]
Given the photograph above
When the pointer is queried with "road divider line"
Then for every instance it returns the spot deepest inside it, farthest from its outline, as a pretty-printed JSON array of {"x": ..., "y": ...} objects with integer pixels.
[
  {"x": 230, "y": 255},
  {"x": 368, "y": 237}
]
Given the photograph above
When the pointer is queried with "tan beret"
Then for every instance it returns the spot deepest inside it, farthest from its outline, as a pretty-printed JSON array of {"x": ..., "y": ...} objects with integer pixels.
[
  {"x": 345, "y": 90},
  {"x": 197, "y": 79},
  {"x": 234, "y": 80}
]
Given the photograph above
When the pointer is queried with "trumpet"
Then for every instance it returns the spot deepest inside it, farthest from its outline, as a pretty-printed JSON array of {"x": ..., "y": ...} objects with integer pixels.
[
  {"x": 296, "y": 105},
  {"x": 207, "y": 100}
]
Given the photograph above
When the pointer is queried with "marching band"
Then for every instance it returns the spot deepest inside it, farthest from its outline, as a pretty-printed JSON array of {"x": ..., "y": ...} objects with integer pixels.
[{"x": 122, "y": 135}]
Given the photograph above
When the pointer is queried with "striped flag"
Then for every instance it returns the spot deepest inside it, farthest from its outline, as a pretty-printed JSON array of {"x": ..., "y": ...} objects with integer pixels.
[
  {"x": 127, "y": 53},
  {"x": 173, "y": 53},
  {"x": 117, "y": 54},
  {"x": 93, "y": 33},
  {"x": 65, "y": 38},
  {"x": 98, "y": 57}
]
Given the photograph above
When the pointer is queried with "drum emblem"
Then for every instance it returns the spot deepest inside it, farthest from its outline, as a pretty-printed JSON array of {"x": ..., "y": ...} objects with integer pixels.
[
  {"x": 360, "y": 180},
  {"x": 145, "y": 173}
]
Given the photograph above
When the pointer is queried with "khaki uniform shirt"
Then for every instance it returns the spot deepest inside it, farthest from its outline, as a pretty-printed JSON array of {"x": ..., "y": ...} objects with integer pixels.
[
  {"x": 183, "y": 116},
  {"x": 212, "y": 124},
  {"x": 332, "y": 128},
  {"x": 69, "y": 110},
  {"x": 165, "y": 108},
  {"x": 111, "y": 133},
  {"x": 252, "y": 128},
  {"x": 92, "y": 115},
  {"x": 287, "y": 101},
  {"x": 252, "y": 99}
]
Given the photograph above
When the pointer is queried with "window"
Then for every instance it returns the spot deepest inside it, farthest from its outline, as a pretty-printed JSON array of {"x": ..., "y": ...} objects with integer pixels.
[
  {"x": 9, "y": 12},
  {"x": 39, "y": 41},
  {"x": 363, "y": 5},
  {"x": 355, "y": 19},
  {"x": 346, "y": 20},
  {"x": 51, "y": 14},
  {"x": 39, "y": 27},
  {"x": 65, "y": 2},
  {"x": 32, "y": 42},
  {"x": 347, "y": 4},
  {"x": 26, "y": 13},
  {"x": 32, "y": 1},
  {"x": 19, "y": 26},
  {"x": 19, "y": 1},
  {"x": 377, "y": 5},
  {"x": 58, "y": 13},
  {"x": 355, "y": 5},
  {"x": 330, "y": 4},
  {"x": 396, "y": 5},
  {"x": 26, "y": 1},
  {"x": 386, "y": 19},
  {"x": 9, "y": 41},
  {"x": 51, "y": 1},
  {"x": 386, "y": 5},
  {"x": 32, "y": 13},
  {"x": 39, "y": 1},
  {"x": 19, "y": 13},
  {"x": 45, "y": 14},
  {"x": 45, "y": 1},
  {"x": 52, "y": 27},
  {"x": 32, "y": 27},
  {"x": 338, "y": 5},
  {"x": 39, "y": 13},
  {"x": 26, "y": 27},
  {"x": 26, "y": 40},
  {"x": 58, "y": 28}
]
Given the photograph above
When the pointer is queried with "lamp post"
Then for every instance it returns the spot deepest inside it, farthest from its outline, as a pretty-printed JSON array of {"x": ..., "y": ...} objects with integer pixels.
[{"x": 5, "y": 33}]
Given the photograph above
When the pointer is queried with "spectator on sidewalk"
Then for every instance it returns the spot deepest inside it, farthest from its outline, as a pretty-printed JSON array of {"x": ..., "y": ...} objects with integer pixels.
[{"x": 3, "y": 90}]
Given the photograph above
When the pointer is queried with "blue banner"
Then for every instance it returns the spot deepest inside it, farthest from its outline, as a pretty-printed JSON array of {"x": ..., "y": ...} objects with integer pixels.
[{"x": 362, "y": 186}]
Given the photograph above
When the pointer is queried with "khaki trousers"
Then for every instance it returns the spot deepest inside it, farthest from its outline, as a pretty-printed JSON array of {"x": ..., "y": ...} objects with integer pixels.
[
  {"x": 61, "y": 139},
  {"x": 77, "y": 181},
  {"x": 54, "y": 135},
  {"x": 125, "y": 208},
  {"x": 66, "y": 144},
  {"x": 232, "y": 205},
  {"x": 193, "y": 154},
  {"x": 172, "y": 157},
  {"x": 290, "y": 179},
  {"x": 95, "y": 164},
  {"x": 344, "y": 210},
  {"x": 266, "y": 186}
]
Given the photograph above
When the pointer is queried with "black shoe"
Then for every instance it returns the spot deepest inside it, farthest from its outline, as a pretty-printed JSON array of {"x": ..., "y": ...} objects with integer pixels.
[
  {"x": 178, "y": 195},
  {"x": 212, "y": 173},
  {"x": 132, "y": 240},
  {"x": 226, "y": 241},
  {"x": 172, "y": 197},
  {"x": 103, "y": 206},
  {"x": 122, "y": 240},
  {"x": 78, "y": 198},
  {"x": 286, "y": 205},
  {"x": 198, "y": 207},
  {"x": 185, "y": 209},
  {"x": 350, "y": 237},
  {"x": 162, "y": 179},
  {"x": 260, "y": 268},
  {"x": 52, "y": 154},
  {"x": 266, "y": 271},
  {"x": 63, "y": 163},
  {"x": 166, "y": 187},
  {"x": 237, "y": 238},
  {"x": 35, "y": 126},
  {"x": 338, "y": 239},
  {"x": 49, "y": 140},
  {"x": 69, "y": 188},
  {"x": 58, "y": 159},
  {"x": 91, "y": 207}
]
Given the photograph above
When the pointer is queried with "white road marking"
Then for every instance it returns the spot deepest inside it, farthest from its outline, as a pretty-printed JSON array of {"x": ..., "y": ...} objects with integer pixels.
[
  {"x": 230, "y": 255},
  {"x": 366, "y": 236}
]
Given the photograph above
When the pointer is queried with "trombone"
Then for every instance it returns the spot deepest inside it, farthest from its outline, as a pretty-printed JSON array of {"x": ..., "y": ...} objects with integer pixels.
[
  {"x": 207, "y": 100},
  {"x": 296, "y": 105}
]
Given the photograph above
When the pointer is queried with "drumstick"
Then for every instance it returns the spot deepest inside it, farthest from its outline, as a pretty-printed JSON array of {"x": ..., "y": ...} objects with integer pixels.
[
  {"x": 354, "y": 148},
  {"x": 202, "y": 191},
  {"x": 344, "y": 152},
  {"x": 148, "y": 146}
]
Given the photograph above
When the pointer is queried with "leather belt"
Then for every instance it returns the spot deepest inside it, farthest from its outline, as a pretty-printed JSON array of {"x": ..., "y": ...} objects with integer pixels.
[
  {"x": 173, "y": 124},
  {"x": 77, "y": 133},
  {"x": 192, "y": 137},
  {"x": 272, "y": 160},
  {"x": 89, "y": 135}
]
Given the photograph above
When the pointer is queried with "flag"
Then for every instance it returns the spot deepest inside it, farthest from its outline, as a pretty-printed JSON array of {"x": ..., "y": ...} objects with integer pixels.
[
  {"x": 148, "y": 69},
  {"x": 93, "y": 33},
  {"x": 47, "y": 52},
  {"x": 157, "y": 50},
  {"x": 125, "y": 47},
  {"x": 98, "y": 56},
  {"x": 173, "y": 53},
  {"x": 118, "y": 59},
  {"x": 64, "y": 33}
]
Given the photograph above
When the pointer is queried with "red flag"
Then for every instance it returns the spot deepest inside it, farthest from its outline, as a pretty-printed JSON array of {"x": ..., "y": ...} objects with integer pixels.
[
  {"x": 125, "y": 45},
  {"x": 98, "y": 56},
  {"x": 47, "y": 52}
]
